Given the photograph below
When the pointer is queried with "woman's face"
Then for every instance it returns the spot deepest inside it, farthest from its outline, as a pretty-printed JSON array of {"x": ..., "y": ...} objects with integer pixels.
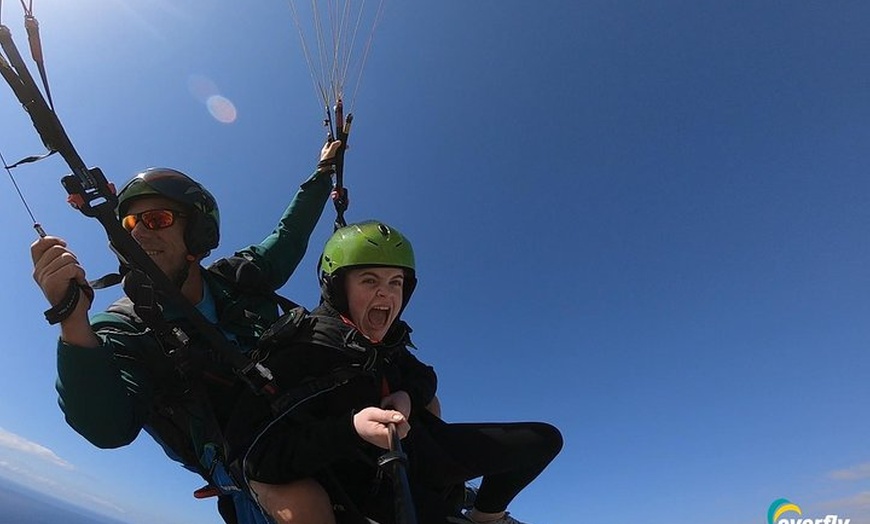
[{"x": 374, "y": 298}]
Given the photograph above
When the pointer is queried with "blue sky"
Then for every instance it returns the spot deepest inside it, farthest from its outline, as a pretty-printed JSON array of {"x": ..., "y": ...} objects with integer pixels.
[{"x": 644, "y": 222}]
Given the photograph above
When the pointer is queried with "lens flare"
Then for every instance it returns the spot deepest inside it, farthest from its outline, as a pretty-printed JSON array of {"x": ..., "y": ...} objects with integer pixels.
[
  {"x": 206, "y": 91},
  {"x": 201, "y": 87},
  {"x": 221, "y": 109}
]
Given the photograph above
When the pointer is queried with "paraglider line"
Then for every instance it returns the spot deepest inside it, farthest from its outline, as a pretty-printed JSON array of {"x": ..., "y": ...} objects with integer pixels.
[
  {"x": 366, "y": 50},
  {"x": 18, "y": 190}
]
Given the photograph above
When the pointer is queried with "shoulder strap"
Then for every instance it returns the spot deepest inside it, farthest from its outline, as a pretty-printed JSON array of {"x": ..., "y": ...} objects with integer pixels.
[
  {"x": 170, "y": 422},
  {"x": 243, "y": 274}
]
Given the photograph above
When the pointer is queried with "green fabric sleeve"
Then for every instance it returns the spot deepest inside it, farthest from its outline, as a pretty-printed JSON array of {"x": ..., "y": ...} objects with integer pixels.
[
  {"x": 280, "y": 252},
  {"x": 104, "y": 391}
]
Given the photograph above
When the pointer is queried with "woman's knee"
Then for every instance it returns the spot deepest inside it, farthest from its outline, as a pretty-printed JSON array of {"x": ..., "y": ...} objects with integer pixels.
[
  {"x": 550, "y": 439},
  {"x": 303, "y": 501}
]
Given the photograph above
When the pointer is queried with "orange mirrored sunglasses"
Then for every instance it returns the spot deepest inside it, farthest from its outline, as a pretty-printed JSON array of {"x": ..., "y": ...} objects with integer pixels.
[{"x": 152, "y": 219}]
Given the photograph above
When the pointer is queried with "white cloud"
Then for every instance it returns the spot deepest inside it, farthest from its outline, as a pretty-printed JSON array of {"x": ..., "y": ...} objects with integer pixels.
[
  {"x": 71, "y": 493},
  {"x": 858, "y": 472},
  {"x": 17, "y": 443},
  {"x": 856, "y": 507},
  {"x": 24, "y": 475}
]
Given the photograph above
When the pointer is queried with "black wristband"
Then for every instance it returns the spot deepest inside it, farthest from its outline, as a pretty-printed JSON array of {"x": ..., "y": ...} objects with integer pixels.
[
  {"x": 327, "y": 165},
  {"x": 61, "y": 311}
]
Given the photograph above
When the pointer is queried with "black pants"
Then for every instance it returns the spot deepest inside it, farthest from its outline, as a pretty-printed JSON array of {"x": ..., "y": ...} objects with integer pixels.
[{"x": 441, "y": 456}]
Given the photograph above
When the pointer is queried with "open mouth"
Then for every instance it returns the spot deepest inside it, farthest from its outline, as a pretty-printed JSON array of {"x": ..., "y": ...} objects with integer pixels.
[{"x": 378, "y": 316}]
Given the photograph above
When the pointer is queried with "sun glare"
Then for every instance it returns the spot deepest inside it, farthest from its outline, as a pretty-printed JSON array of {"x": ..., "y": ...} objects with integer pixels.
[{"x": 221, "y": 109}]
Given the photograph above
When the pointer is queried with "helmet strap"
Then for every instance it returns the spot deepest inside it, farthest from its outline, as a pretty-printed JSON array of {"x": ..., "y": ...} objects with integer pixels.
[{"x": 333, "y": 293}]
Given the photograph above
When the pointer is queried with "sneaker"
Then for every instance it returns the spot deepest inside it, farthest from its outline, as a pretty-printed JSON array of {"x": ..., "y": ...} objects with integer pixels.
[{"x": 506, "y": 519}]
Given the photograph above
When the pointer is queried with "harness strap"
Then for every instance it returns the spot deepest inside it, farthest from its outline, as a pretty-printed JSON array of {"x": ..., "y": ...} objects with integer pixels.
[{"x": 283, "y": 404}]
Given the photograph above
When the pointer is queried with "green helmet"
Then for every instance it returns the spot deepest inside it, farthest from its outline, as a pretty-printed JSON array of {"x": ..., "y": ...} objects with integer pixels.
[
  {"x": 364, "y": 244},
  {"x": 202, "y": 233}
]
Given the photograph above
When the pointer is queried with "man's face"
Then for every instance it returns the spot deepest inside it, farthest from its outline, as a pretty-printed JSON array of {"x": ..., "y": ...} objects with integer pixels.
[
  {"x": 374, "y": 298},
  {"x": 165, "y": 246}
]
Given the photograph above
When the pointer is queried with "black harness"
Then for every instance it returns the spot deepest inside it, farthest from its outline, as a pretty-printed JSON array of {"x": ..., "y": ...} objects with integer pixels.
[
  {"x": 191, "y": 370},
  {"x": 183, "y": 407}
]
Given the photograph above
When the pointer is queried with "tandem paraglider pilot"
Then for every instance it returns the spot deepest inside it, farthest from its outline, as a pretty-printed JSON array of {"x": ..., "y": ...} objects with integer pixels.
[{"x": 114, "y": 376}]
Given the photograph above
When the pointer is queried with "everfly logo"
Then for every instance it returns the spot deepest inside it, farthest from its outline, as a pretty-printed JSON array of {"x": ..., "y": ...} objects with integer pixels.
[{"x": 780, "y": 507}]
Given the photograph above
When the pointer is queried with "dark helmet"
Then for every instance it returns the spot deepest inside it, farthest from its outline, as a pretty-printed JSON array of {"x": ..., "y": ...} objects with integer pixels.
[
  {"x": 365, "y": 244},
  {"x": 203, "y": 223}
]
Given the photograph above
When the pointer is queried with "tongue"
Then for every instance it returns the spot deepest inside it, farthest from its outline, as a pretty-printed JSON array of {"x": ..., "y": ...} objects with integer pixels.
[{"x": 378, "y": 317}]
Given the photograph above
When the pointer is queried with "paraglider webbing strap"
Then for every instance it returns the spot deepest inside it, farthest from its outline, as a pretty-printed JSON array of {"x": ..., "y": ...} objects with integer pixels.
[
  {"x": 44, "y": 119},
  {"x": 340, "y": 198},
  {"x": 340, "y": 201},
  {"x": 339, "y": 193}
]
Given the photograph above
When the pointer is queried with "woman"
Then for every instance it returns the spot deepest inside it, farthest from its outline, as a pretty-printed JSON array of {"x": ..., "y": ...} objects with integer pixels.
[{"x": 349, "y": 374}]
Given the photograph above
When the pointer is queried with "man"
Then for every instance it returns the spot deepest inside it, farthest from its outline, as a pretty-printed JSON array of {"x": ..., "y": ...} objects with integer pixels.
[
  {"x": 117, "y": 376},
  {"x": 350, "y": 374}
]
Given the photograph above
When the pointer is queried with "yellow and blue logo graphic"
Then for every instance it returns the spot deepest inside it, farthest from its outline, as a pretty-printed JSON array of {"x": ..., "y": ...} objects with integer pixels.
[
  {"x": 784, "y": 511},
  {"x": 780, "y": 507}
]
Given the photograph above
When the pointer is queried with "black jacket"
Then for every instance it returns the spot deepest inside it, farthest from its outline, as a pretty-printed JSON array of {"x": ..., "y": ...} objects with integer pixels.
[{"x": 330, "y": 372}]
